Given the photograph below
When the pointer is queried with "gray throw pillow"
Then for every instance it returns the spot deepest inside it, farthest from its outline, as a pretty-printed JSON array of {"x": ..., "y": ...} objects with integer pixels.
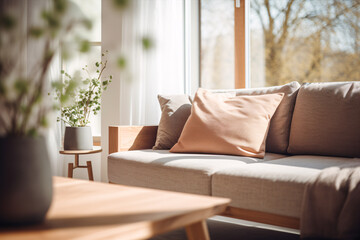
[
  {"x": 326, "y": 120},
  {"x": 175, "y": 111}
]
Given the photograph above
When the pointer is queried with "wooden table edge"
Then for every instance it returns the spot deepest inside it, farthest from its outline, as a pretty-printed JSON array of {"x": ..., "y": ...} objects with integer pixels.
[
  {"x": 195, "y": 230},
  {"x": 192, "y": 219},
  {"x": 96, "y": 149}
]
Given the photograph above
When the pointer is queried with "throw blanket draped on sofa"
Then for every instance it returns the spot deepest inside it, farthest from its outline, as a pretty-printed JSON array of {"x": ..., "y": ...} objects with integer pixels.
[{"x": 331, "y": 206}]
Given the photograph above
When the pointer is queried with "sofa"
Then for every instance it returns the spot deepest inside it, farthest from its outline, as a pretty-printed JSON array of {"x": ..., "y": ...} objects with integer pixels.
[{"x": 317, "y": 126}]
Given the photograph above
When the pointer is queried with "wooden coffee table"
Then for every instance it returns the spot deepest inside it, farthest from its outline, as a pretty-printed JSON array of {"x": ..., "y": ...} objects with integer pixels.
[{"x": 92, "y": 210}]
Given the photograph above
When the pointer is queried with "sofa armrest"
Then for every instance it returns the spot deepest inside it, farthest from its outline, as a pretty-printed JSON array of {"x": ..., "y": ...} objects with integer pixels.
[{"x": 125, "y": 138}]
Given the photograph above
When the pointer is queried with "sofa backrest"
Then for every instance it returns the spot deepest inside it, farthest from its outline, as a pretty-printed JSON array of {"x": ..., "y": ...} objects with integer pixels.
[
  {"x": 326, "y": 120},
  {"x": 279, "y": 131}
]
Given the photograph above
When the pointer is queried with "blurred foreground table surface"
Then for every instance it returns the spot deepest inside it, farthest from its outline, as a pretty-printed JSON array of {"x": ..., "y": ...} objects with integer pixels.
[{"x": 92, "y": 210}]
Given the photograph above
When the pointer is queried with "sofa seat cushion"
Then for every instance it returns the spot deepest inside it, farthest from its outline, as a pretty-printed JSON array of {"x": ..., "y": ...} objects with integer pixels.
[
  {"x": 275, "y": 186},
  {"x": 160, "y": 169}
]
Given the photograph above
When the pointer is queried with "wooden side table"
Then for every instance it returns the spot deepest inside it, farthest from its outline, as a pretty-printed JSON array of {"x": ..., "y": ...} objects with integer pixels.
[{"x": 77, "y": 153}]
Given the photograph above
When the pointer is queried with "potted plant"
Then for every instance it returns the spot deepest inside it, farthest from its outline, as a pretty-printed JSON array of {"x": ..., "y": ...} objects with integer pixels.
[
  {"x": 25, "y": 174},
  {"x": 87, "y": 100}
]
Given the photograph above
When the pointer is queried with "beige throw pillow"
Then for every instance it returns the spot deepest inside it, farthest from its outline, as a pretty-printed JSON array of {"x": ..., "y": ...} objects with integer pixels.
[
  {"x": 279, "y": 131},
  {"x": 175, "y": 111},
  {"x": 326, "y": 120},
  {"x": 223, "y": 124}
]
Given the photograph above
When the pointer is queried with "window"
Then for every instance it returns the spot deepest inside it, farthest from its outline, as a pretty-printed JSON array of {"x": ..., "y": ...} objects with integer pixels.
[
  {"x": 217, "y": 44},
  {"x": 91, "y": 10},
  {"x": 304, "y": 41},
  {"x": 278, "y": 41}
]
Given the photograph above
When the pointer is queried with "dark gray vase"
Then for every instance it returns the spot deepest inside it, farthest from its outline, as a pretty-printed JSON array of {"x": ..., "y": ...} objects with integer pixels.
[
  {"x": 25, "y": 180},
  {"x": 78, "y": 138}
]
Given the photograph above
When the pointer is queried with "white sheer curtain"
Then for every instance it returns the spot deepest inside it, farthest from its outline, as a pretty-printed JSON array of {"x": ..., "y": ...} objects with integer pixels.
[
  {"x": 132, "y": 96},
  {"x": 28, "y": 13},
  {"x": 55, "y": 131},
  {"x": 159, "y": 70}
]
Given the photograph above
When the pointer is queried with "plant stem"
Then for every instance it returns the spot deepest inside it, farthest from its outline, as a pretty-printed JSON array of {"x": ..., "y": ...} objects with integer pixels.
[
  {"x": 65, "y": 121},
  {"x": 39, "y": 89}
]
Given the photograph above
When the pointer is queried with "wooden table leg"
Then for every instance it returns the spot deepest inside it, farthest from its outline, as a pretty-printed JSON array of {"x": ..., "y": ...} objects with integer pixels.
[
  {"x": 70, "y": 170},
  {"x": 90, "y": 172},
  {"x": 76, "y": 160},
  {"x": 197, "y": 231}
]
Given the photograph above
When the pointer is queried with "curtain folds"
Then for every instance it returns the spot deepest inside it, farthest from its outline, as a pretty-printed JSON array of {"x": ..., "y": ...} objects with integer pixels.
[
  {"x": 157, "y": 70},
  {"x": 28, "y": 14}
]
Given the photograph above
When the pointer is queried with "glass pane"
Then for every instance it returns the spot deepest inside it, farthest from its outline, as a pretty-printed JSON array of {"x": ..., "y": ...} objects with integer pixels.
[
  {"x": 217, "y": 44},
  {"x": 90, "y": 9},
  {"x": 304, "y": 41},
  {"x": 76, "y": 63}
]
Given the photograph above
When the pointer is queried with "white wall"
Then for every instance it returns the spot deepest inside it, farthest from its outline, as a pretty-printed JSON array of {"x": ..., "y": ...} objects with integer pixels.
[
  {"x": 192, "y": 48},
  {"x": 82, "y": 173},
  {"x": 110, "y": 102}
]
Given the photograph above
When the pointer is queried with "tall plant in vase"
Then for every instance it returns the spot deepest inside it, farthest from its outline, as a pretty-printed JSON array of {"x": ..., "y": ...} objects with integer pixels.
[
  {"x": 25, "y": 174},
  {"x": 87, "y": 101}
]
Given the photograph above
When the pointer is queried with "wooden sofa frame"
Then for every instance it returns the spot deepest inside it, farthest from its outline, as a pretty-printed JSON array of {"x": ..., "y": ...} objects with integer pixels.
[{"x": 127, "y": 138}]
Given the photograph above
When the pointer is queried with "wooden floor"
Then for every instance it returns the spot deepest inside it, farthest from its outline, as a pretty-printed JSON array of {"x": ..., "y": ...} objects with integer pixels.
[{"x": 221, "y": 228}]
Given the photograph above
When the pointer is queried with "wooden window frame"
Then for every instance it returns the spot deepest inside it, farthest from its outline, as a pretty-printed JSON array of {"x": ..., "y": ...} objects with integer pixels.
[{"x": 240, "y": 44}]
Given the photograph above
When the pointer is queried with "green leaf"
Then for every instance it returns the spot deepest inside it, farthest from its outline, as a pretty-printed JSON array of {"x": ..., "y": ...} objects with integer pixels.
[
  {"x": 44, "y": 122},
  {"x": 121, "y": 62},
  {"x": 7, "y": 22},
  {"x": 36, "y": 32},
  {"x": 23, "y": 108},
  {"x": 2, "y": 88},
  {"x": 38, "y": 99},
  {"x": 32, "y": 132},
  {"x": 65, "y": 53},
  {"x": 57, "y": 85},
  {"x": 97, "y": 64},
  {"x": 60, "y": 6},
  {"x": 21, "y": 86},
  {"x": 48, "y": 55},
  {"x": 64, "y": 98},
  {"x": 84, "y": 46},
  {"x": 121, "y": 4},
  {"x": 88, "y": 24},
  {"x": 52, "y": 20},
  {"x": 147, "y": 43}
]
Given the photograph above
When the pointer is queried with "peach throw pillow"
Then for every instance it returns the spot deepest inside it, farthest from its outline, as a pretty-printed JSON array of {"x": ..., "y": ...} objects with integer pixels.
[{"x": 225, "y": 124}]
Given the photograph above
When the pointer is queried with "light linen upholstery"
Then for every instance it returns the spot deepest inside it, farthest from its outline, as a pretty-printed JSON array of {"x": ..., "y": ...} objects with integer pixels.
[
  {"x": 326, "y": 120},
  {"x": 190, "y": 173},
  {"x": 275, "y": 186},
  {"x": 279, "y": 131}
]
